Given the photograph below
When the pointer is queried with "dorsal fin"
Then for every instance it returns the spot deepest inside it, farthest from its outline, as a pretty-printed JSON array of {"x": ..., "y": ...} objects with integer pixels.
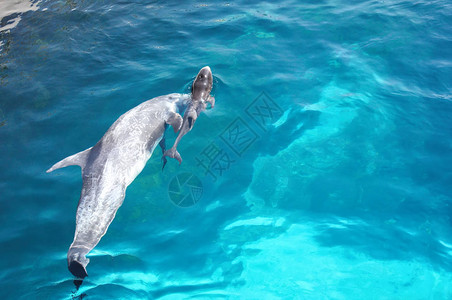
[{"x": 78, "y": 159}]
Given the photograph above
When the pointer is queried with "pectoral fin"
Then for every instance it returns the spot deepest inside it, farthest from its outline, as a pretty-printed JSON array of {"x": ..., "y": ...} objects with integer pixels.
[
  {"x": 211, "y": 100},
  {"x": 78, "y": 159}
]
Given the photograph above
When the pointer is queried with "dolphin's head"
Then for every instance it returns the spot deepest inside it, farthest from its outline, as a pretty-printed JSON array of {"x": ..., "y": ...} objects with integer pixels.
[{"x": 202, "y": 85}]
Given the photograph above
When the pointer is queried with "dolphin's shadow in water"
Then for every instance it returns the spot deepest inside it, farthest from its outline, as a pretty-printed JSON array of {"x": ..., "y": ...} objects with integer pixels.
[
  {"x": 78, "y": 283},
  {"x": 279, "y": 138},
  {"x": 270, "y": 142},
  {"x": 79, "y": 297}
]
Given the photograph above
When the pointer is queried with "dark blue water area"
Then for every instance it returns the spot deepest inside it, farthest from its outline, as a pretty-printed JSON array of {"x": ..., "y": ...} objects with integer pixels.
[{"x": 324, "y": 171}]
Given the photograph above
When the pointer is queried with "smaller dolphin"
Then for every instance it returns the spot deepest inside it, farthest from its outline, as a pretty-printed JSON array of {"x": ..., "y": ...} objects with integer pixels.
[
  {"x": 111, "y": 165},
  {"x": 200, "y": 90}
]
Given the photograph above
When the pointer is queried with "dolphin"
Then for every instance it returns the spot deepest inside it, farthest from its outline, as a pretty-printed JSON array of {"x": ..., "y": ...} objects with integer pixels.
[
  {"x": 200, "y": 90},
  {"x": 116, "y": 160}
]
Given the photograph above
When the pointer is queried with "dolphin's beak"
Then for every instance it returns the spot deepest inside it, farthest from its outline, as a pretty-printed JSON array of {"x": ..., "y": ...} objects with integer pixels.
[{"x": 207, "y": 68}]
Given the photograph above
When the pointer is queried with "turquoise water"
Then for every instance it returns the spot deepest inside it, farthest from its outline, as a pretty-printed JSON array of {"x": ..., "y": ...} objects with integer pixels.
[{"x": 332, "y": 137}]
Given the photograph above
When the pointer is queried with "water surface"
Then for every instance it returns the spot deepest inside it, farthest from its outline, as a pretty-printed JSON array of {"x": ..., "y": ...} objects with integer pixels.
[{"x": 331, "y": 133}]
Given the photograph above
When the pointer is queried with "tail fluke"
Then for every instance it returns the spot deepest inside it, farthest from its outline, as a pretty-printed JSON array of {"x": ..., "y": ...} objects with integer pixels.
[
  {"x": 78, "y": 159},
  {"x": 77, "y": 261},
  {"x": 77, "y": 269},
  {"x": 173, "y": 153}
]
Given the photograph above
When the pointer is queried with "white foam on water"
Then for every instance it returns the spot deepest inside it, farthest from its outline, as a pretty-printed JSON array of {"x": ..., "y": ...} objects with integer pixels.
[
  {"x": 8, "y": 8},
  {"x": 258, "y": 221},
  {"x": 135, "y": 281}
]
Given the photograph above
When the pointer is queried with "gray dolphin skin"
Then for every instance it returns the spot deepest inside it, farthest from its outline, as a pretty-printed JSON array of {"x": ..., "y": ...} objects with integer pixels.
[
  {"x": 201, "y": 88},
  {"x": 116, "y": 160}
]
